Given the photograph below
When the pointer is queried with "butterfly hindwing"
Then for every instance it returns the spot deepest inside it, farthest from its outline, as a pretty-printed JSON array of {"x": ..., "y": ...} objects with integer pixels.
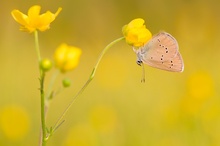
[{"x": 174, "y": 64}]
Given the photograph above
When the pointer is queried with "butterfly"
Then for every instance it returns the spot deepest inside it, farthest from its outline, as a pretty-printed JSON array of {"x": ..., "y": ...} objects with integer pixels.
[{"x": 161, "y": 52}]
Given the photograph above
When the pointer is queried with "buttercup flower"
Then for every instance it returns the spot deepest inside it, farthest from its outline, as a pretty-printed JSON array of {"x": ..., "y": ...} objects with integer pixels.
[
  {"x": 33, "y": 20},
  {"x": 67, "y": 57},
  {"x": 136, "y": 33}
]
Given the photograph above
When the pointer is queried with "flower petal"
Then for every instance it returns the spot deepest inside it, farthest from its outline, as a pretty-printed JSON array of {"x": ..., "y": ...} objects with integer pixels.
[
  {"x": 34, "y": 12},
  {"x": 72, "y": 58},
  {"x": 136, "y": 23},
  {"x": 19, "y": 17},
  {"x": 58, "y": 11},
  {"x": 47, "y": 18},
  {"x": 67, "y": 57}
]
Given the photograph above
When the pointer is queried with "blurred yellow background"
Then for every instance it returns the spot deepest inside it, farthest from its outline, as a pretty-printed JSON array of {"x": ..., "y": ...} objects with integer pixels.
[{"x": 169, "y": 109}]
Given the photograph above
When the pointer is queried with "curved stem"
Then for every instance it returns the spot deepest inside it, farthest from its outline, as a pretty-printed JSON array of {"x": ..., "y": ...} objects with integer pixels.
[{"x": 57, "y": 124}]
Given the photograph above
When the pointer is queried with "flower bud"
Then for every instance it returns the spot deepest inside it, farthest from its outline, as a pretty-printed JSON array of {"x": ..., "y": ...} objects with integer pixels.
[
  {"x": 45, "y": 64},
  {"x": 66, "y": 83}
]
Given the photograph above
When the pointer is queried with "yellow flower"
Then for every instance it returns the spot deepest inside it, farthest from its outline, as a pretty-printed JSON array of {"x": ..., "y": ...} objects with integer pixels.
[
  {"x": 67, "y": 57},
  {"x": 136, "y": 33},
  {"x": 33, "y": 20}
]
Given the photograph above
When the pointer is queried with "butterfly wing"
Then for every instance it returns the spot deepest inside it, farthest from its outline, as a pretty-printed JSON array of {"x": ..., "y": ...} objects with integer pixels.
[
  {"x": 162, "y": 52},
  {"x": 174, "y": 64}
]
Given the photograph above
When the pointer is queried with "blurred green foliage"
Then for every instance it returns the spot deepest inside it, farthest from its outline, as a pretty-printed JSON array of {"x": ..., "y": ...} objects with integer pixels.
[{"x": 169, "y": 109}]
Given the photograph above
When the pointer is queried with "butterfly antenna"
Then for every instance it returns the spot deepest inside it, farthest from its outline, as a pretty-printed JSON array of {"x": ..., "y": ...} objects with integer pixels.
[{"x": 143, "y": 73}]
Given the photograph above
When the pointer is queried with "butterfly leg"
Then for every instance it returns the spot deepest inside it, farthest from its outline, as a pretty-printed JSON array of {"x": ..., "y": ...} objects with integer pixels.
[
  {"x": 143, "y": 73},
  {"x": 140, "y": 62}
]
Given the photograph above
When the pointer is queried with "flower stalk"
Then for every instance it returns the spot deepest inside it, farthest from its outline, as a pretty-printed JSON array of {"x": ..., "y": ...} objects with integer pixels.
[
  {"x": 43, "y": 120},
  {"x": 37, "y": 45},
  {"x": 42, "y": 95}
]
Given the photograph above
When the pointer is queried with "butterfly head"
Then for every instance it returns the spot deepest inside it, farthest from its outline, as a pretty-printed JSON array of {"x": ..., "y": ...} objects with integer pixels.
[{"x": 139, "y": 62}]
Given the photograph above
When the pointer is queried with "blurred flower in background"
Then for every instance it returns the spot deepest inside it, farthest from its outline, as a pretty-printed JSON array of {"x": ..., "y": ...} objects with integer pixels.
[
  {"x": 34, "y": 20},
  {"x": 67, "y": 57},
  {"x": 14, "y": 122},
  {"x": 200, "y": 87},
  {"x": 102, "y": 123},
  {"x": 80, "y": 135}
]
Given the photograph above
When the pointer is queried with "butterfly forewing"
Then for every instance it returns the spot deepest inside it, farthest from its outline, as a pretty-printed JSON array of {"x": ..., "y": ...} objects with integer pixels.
[
  {"x": 162, "y": 52},
  {"x": 161, "y": 47}
]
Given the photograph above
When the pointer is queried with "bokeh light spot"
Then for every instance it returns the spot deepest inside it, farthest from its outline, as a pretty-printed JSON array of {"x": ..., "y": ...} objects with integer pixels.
[
  {"x": 201, "y": 86},
  {"x": 14, "y": 122},
  {"x": 80, "y": 135}
]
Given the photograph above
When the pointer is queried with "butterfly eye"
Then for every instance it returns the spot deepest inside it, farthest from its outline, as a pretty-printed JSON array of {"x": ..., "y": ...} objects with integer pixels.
[{"x": 139, "y": 62}]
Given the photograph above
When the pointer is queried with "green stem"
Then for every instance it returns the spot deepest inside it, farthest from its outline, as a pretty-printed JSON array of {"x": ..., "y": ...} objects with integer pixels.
[
  {"x": 37, "y": 45},
  {"x": 50, "y": 87},
  {"x": 50, "y": 93},
  {"x": 43, "y": 133},
  {"x": 58, "y": 123},
  {"x": 43, "y": 120}
]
